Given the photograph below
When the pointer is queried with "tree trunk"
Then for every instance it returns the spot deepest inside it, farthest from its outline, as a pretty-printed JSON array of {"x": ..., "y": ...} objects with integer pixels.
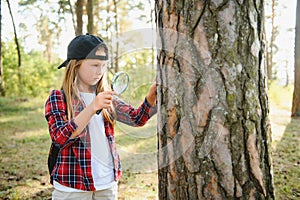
[
  {"x": 213, "y": 126},
  {"x": 90, "y": 14},
  {"x": 97, "y": 16},
  {"x": 45, "y": 36},
  {"x": 72, "y": 13},
  {"x": 116, "y": 59},
  {"x": 17, "y": 47},
  {"x": 287, "y": 76},
  {"x": 152, "y": 29},
  {"x": 109, "y": 24},
  {"x": 296, "y": 96},
  {"x": 270, "y": 52},
  {"x": 79, "y": 13},
  {"x": 2, "y": 88}
]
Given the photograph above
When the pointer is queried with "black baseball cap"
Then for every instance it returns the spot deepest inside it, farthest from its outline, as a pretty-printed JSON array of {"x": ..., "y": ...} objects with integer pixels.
[{"x": 83, "y": 47}]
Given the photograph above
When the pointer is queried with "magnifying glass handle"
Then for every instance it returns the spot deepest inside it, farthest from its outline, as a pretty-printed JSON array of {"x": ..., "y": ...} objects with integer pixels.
[{"x": 98, "y": 111}]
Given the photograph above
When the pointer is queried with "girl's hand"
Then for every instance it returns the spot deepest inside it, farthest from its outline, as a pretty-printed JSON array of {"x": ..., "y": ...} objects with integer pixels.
[
  {"x": 103, "y": 100},
  {"x": 151, "y": 96}
]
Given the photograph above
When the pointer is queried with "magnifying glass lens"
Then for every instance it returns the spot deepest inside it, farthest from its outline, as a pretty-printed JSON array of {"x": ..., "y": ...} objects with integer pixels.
[{"x": 120, "y": 82}]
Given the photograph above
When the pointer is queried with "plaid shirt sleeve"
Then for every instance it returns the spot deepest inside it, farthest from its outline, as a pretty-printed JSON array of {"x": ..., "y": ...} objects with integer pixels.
[
  {"x": 132, "y": 116},
  {"x": 60, "y": 128}
]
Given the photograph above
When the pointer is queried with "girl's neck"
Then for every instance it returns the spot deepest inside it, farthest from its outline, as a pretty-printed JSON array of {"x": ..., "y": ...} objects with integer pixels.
[{"x": 87, "y": 89}]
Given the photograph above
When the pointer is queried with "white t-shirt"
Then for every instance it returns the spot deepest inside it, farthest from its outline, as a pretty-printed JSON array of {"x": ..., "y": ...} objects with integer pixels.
[{"x": 102, "y": 163}]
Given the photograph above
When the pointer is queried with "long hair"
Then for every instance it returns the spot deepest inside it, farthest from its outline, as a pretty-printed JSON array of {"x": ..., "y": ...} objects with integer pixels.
[{"x": 71, "y": 90}]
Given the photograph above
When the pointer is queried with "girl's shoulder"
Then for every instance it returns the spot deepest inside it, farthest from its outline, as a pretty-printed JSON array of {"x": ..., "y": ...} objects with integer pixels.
[
  {"x": 55, "y": 102},
  {"x": 56, "y": 95},
  {"x": 56, "y": 92}
]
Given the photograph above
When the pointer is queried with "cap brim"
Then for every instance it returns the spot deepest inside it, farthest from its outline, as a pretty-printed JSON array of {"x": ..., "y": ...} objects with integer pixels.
[{"x": 63, "y": 64}]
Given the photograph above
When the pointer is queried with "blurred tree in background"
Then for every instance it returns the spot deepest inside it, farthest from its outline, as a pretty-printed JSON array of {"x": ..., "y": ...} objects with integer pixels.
[
  {"x": 271, "y": 47},
  {"x": 2, "y": 89},
  {"x": 296, "y": 95}
]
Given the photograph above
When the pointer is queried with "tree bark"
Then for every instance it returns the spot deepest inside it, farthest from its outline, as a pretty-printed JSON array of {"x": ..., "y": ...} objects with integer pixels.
[
  {"x": 296, "y": 95},
  {"x": 213, "y": 126},
  {"x": 90, "y": 14},
  {"x": 79, "y": 13}
]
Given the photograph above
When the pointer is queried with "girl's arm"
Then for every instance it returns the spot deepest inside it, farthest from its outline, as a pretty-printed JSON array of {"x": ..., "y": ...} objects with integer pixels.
[
  {"x": 151, "y": 96},
  {"x": 61, "y": 130},
  {"x": 137, "y": 117},
  {"x": 102, "y": 100}
]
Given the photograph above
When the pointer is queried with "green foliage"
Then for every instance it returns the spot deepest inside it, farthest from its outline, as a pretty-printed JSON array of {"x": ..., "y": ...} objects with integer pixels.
[
  {"x": 10, "y": 68},
  {"x": 37, "y": 75}
]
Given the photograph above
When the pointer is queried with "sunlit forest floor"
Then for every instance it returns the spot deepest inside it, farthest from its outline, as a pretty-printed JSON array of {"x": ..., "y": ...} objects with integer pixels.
[
  {"x": 24, "y": 146},
  {"x": 285, "y": 143}
]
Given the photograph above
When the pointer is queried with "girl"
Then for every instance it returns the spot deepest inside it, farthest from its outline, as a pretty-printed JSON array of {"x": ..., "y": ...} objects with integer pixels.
[{"x": 88, "y": 165}]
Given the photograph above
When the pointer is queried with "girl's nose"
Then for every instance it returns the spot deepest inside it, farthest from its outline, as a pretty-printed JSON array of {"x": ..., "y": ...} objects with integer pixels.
[{"x": 99, "y": 70}]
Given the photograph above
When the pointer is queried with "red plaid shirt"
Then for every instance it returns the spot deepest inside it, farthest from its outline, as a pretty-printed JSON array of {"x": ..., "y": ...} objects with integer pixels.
[{"x": 73, "y": 166}]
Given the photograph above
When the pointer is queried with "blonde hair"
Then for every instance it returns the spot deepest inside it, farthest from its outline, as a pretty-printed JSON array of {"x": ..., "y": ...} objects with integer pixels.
[{"x": 71, "y": 90}]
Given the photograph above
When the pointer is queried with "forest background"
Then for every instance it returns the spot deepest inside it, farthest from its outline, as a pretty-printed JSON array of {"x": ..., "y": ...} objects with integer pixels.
[{"x": 44, "y": 30}]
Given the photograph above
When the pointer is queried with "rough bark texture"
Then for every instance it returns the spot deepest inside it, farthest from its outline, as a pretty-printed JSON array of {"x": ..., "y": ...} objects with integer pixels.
[
  {"x": 213, "y": 126},
  {"x": 296, "y": 96}
]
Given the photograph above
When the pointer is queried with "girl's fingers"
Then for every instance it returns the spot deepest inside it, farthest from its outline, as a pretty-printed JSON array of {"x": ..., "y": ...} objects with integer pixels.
[
  {"x": 104, "y": 99},
  {"x": 107, "y": 102},
  {"x": 109, "y": 97},
  {"x": 106, "y": 94}
]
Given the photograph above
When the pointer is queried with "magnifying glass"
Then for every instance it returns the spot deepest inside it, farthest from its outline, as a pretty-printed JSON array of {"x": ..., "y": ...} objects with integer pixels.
[{"x": 119, "y": 84}]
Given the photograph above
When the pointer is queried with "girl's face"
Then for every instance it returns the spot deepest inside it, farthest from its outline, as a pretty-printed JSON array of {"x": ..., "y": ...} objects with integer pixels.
[{"x": 89, "y": 74}]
